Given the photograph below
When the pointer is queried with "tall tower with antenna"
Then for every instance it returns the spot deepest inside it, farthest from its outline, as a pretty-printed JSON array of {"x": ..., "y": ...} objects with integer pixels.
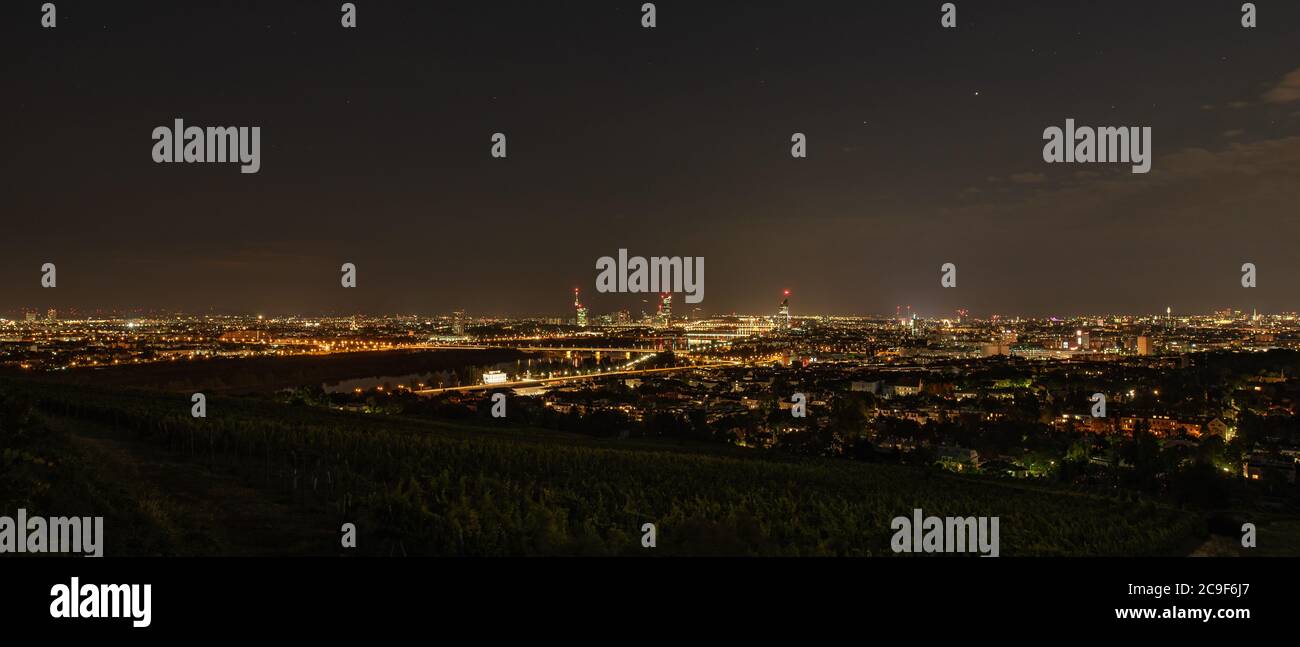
[
  {"x": 580, "y": 310},
  {"x": 665, "y": 314}
]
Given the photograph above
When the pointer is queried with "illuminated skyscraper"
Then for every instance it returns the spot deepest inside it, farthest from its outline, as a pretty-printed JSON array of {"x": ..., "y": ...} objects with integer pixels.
[
  {"x": 580, "y": 310},
  {"x": 458, "y": 322},
  {"x": 783, "y": 312},
  {"x": 665, "y": 315}
]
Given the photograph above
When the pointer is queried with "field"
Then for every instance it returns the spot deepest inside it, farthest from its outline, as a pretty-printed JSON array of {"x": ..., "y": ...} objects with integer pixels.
[{"x": 259, "y": 477}]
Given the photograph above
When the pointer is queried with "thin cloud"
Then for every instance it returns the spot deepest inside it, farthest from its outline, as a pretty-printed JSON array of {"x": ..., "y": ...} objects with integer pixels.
[
  {"x": 1287, "y": 90},
  {"x": 1028, "y": 178},
  {"x": 1189, "y": 183}
]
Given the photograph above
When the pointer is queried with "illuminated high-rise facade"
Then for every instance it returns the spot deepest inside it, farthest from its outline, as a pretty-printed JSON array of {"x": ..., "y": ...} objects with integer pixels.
[
  {"x": 580, "y": 311},
  {"x": 1143, "y": 345}
]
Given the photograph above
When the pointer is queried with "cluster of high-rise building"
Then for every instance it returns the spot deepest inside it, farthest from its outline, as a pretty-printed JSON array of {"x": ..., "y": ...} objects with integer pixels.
[{"x": 32, "y": 316}]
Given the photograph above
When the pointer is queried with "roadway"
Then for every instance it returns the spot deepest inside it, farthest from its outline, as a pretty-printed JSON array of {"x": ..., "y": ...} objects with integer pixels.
[
  {"x": 566, "y": 378},
  {"x": 537, "y": 349}
]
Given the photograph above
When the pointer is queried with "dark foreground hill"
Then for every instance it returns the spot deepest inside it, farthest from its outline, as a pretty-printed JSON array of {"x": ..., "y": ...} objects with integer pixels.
[{"x": 259, "y": 477}]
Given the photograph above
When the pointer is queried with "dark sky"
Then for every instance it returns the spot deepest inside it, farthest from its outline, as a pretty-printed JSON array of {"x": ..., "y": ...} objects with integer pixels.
[{"x": 925, "y": 147}]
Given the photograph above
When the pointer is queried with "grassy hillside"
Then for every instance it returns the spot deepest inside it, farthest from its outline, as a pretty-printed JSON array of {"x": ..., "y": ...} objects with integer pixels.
[{"x": 420, "y": 488}]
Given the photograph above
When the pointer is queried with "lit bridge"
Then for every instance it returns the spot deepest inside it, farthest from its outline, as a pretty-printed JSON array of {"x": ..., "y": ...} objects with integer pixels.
[{"x": 566, "y": 378}]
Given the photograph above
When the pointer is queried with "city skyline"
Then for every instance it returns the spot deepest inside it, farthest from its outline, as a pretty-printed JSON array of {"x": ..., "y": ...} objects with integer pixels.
[{"x": 43, "y": 313}]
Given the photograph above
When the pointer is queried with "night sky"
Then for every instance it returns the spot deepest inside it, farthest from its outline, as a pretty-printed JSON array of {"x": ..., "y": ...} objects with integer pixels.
[{"x": 925, "y": 147}]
